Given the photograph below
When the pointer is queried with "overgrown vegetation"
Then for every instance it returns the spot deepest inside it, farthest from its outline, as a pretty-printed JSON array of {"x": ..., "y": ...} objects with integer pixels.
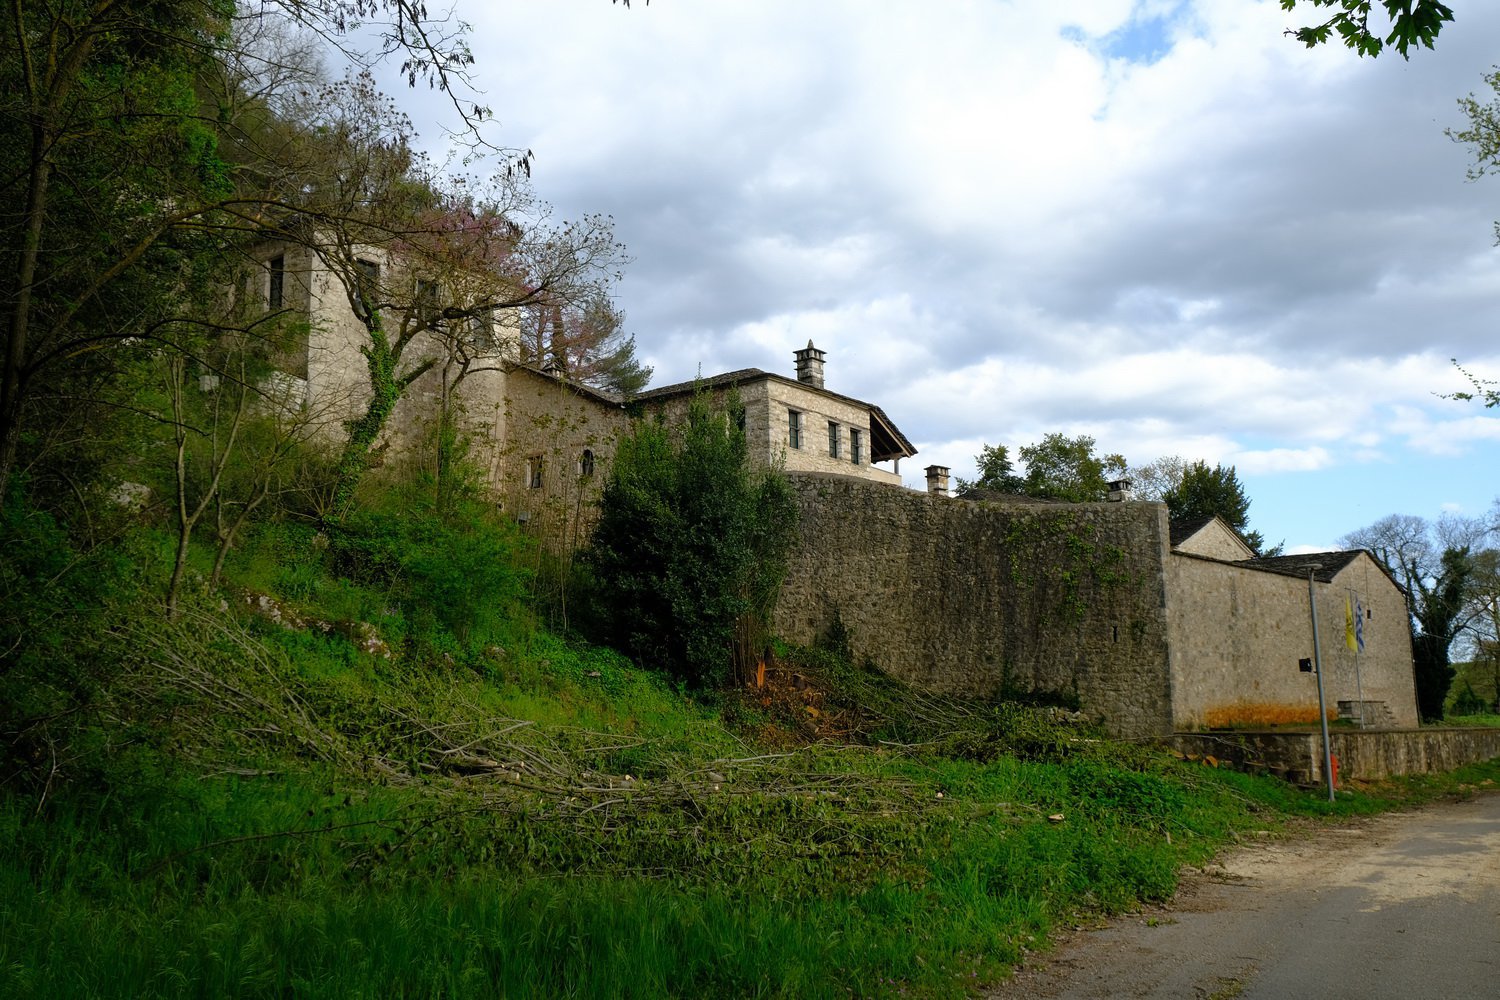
[
  {"x": 360, "y": 767},
  {"x": 691, "y": 546}
]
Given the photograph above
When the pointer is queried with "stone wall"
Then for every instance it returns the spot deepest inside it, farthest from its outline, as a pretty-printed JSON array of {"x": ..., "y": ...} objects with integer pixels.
[
  {"x": 981, "y": 599},
  {"x": 1361, "y": 756},
  {"x": 573, "y": 434}
]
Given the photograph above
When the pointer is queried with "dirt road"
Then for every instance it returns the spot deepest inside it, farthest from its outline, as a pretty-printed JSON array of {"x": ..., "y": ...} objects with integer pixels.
[{"x": 1404, "y": 905}]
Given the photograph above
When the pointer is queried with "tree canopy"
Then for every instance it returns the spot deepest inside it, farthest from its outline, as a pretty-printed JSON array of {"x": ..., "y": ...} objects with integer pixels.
[
  {"x": 1435, "y": 563},
  {"x": 1408, "y": 24},
  {"x": 150, "y": 150},
  {"x": 691, "y": 546},
  {"x": 995, "y": 472},
  {"x": 1057, "y": 467},
  {"x": 1066, "y": 468},
  {"x": 1204, "y": 491}
]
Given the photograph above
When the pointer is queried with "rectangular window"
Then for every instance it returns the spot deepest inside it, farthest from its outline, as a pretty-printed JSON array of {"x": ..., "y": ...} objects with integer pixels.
[
  {"x": 481, "y": 333},
  {"x": 793, "y": 429},
  {"x": 534, "y": 472},
  {"x": 856, "y": 441},
  {"x": 277, "y": 295},
  {"x": 427, "y": 300},
  {"x": 833, "y": 439},
  {"x": 367, "y": 278}
]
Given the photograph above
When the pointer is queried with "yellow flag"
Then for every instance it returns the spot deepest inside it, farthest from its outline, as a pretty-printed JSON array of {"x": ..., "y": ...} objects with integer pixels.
[{"x": 1349, "y": 639}]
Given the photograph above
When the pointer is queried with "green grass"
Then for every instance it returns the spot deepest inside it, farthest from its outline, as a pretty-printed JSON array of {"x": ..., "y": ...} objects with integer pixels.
[
  {"x": 828, "y": 871},
  {"x": 240, "y": 809},
  {"x": 1482, "y": 721}
]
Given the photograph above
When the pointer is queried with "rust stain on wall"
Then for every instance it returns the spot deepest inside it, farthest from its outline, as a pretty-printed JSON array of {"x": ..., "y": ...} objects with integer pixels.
[{"x": 1241, "y": 714}]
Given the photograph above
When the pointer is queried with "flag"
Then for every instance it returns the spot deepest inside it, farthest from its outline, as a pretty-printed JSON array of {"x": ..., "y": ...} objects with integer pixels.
[
  {"x": 1359, "y": 624},
  {"x": 1349, "y": 639}
]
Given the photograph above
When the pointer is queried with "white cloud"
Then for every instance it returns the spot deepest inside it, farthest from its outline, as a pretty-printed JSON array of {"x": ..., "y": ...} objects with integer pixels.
[{"x": 1163, "y": 224}]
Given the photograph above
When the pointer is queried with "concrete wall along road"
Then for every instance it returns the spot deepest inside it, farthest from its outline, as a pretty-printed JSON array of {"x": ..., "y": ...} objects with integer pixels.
[
  {"x": 1360, "y": 756},
  {"x": 987, "y": 599}
]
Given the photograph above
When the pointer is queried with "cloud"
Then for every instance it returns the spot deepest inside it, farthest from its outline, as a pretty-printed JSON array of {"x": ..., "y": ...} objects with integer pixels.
[{"x": 1158, "y": 222}]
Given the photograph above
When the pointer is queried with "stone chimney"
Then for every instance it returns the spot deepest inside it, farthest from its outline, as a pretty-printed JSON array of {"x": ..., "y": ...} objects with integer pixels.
[
  {"x": 810, "y": 365},
  {"x": 937, "y": 480},
  {"x": 1119, "y": 490}
]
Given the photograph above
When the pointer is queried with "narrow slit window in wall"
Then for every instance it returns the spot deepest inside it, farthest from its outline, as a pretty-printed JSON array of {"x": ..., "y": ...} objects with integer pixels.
[{"x": 367, "y": 279}]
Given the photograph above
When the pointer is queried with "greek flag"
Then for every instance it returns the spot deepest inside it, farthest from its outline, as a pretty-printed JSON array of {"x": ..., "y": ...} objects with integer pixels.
[
  {"x": 1349, "y": 618},
  {"x": 1359, "y": 624}
]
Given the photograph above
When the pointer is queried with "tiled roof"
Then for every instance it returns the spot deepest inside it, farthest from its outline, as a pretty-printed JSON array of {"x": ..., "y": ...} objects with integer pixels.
[
  {"x": 591, "y": 392},
  {"x": 712, "y": 382},
  {"x": 1328, "y": 564},
  {"x": 1186, "y": 528},
  {"x": 895, "y": 445}
]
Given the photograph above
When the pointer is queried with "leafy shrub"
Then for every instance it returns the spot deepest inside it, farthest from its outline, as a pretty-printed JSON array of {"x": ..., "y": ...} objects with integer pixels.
[
  {"x": 457, "y": 573},
  {"x": 57, "y": 602},
  {"x": 690, "y": 547},
  {"x": 1468, "y": 702}
]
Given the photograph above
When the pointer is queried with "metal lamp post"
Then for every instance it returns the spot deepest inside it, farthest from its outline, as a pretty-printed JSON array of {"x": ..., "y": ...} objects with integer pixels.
[{"x": 1312, "y": 604}]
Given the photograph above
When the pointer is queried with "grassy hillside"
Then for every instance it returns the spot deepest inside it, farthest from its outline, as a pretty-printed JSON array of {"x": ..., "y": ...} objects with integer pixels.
[{"x": 361, "y": 766}]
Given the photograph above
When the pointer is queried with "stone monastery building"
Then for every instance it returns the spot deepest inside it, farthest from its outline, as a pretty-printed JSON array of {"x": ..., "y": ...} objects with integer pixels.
[{"x": 1146, "y": 626}]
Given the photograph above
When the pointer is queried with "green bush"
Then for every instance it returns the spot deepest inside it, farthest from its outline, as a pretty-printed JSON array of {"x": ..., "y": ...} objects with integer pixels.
[
  {"x": 58, "y": 651},
  {"x": 690, "y": 547},
  {"x": 1468, "y": 702},
  {"x": 458, "y": 573}
]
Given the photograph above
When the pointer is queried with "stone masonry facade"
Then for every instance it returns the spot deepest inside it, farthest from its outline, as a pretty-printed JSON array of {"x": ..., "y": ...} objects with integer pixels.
[
  {"x": 1087, "y": 605},
  {"x": 1064, "y": 602},
  {"x": 1239, "y": 632}
]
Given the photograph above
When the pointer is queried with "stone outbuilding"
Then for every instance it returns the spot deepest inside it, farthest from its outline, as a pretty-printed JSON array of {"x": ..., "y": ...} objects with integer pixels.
[
  {"x": 799, "y": 424},
  {"x": 1240, "y": 627}
]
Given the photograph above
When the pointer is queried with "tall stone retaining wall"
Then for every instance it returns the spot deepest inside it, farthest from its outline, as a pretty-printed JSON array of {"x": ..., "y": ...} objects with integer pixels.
[
  {"x": 1063, "y": 602},
  {"x": 1363, "y": 756}
]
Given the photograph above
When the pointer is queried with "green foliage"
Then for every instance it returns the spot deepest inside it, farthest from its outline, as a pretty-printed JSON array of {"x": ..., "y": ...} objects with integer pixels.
[
  {"x": 105, "y": 148},
  {"x": 59, "y": 655},
  {"x": 1065, "y": 468},
  {"x": 1484, "y": 388},
  {"x": 996, "y": 472},
  {"x": 1482, "y": 136},
  {"x": 1204, "y": 492},
  {"x": 1468, "y": 702},
  {"x": 1435, "y": 614},
  {"x": 1412, "y": 23},
  {"x": 690, "y": 547},
  {"x": 459, "y": 571},
  {"x": 385, "y": 391},
  {"x": 262, "y": 807},
  {"x": 1057, "y": 468}
]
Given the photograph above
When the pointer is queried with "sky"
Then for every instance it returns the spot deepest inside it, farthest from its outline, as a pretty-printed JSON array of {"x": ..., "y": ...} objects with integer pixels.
[{"x": 1160, "y": 223}]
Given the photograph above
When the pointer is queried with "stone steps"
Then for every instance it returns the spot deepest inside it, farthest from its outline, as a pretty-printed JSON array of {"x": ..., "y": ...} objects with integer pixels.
[{"x": 1377, "y": 714}]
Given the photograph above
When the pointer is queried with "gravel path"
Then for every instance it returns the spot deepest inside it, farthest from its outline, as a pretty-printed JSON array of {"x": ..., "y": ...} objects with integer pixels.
[{"x": 1404, "y": 905}]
